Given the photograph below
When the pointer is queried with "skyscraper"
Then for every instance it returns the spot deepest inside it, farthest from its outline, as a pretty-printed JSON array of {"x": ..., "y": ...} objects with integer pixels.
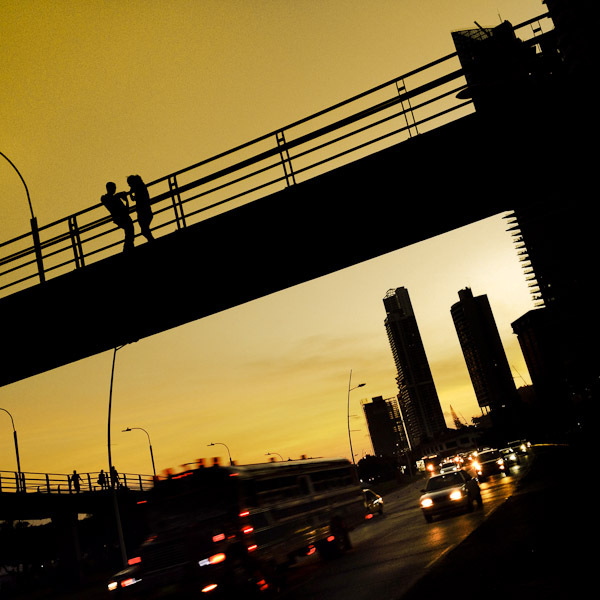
[
  {"x": 385, "y": 426},
  {"x": 483, "y": 351},
  {"x": 419, "y": 403}
]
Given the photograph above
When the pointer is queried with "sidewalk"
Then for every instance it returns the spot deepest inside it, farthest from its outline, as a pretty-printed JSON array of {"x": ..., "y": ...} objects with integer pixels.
[{"x": 538, "y": 544}]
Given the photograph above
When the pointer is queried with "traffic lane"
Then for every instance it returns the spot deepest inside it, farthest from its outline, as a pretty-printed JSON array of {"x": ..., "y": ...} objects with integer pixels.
[
  {"x": 391, "y": 552},
  {"x": 532, "y": 546}
]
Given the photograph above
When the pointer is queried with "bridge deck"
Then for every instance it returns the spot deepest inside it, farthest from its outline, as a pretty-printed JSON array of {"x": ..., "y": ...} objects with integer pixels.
[{"x": 291, "y": 228}]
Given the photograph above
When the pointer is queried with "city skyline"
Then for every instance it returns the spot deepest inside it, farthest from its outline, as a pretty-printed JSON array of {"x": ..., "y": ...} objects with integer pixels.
[{"x": 271, "y": 375}]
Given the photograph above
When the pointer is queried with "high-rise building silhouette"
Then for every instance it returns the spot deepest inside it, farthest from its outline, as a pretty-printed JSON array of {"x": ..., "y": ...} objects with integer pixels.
[
  {"x": 419, "y": 403},
  {"x": 484, "y": 355},
  {"x": 385, "y": 426}
]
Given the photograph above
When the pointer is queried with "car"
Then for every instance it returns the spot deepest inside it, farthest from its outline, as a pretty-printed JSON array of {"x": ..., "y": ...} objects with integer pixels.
[
  {"x": 489, "y": 462},
  {"x": 449, "y": 466},
  {"x": 447, "y": 492},
  {"x": 373, "y": 502},
  {"x": 520, "y": 446},
  {"x": 510, "y": 456}
]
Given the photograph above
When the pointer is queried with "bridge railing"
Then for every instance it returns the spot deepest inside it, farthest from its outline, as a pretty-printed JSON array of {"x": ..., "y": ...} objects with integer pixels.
[
  {"x": 58, "y": 483},
  {"x": 394, "y": 111}
]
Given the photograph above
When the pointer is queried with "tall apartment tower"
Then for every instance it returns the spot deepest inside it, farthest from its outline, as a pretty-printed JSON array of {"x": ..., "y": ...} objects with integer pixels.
[
  {"x": 483, "y": 351},
  {"x": 385, "y": 426},
  {"x": 419, "y": 403}
]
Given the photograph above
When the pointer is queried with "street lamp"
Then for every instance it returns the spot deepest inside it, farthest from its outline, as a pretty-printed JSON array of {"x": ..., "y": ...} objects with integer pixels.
[
  {"x": 149, "y": 444},
  {"x": 221, "y": 444},
  {"x": 19, "y": 475},
  {"x": 271, "y": 453},
  {"x": 34, "y": 227},
  {"x": 111, "y": 478},
  {"x": 349, "y": 435}
]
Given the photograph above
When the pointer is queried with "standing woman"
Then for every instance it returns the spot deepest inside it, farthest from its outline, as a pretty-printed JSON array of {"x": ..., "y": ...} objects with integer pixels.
[{"x": 139, "y": 193}]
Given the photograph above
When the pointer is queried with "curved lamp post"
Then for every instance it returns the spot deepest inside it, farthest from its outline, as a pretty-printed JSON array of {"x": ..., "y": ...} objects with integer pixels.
[
  {"x": 149, "y": 444},
  {"x": 110, "y": 465},
  {"x": 349, "y": 434},
  {"x": 34, "y": 227},
  {"x": 221, "y": 444},
  {"x": 276, "y": 454},
  {"x": 19, "y": 475}
]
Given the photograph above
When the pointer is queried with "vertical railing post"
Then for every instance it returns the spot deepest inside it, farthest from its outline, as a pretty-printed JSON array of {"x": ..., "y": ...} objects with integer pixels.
[
  {"x": 76, "y": 242},
  {"x": 176, "y": 199},
  {"x": 37, "y": 248},
  {"x": 89, "y": 478},
  {"x": 47, "y": 483},
  {"x": 401, "y": 88},
  {"x": 286, "y": 161}
]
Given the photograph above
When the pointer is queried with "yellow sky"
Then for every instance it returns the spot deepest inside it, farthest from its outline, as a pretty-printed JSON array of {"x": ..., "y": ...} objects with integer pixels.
[{"x": 92, "y": 91}]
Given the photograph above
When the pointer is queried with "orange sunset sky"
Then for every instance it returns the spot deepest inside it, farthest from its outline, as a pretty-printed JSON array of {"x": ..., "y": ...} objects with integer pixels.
[{"x": 93, "y": 91}]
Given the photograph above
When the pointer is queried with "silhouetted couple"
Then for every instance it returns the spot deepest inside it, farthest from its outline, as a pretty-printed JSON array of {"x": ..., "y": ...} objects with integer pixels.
[{"x": 117, "y": 205}]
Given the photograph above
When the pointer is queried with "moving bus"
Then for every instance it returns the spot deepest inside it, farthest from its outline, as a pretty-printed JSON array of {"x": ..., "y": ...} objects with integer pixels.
[{"x": 228, "y": 531}]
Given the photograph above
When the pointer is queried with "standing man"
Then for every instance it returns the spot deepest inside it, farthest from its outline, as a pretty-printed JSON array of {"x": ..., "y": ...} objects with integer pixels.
[
  {"x": 76, "y": 481},
  {"x": 139, "y": 193},
  {"x": 116, "y": 205}
]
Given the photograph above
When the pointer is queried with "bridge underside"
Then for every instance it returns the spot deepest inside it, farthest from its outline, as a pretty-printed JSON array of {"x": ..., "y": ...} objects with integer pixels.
[{"x": 453, "y": 176}]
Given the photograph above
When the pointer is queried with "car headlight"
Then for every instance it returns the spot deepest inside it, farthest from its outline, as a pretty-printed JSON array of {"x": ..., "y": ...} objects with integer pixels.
[
  {"x": 112, "y": 586},
  {"x": 456, "y": 495},
  {"x": 426, "y": 503}
]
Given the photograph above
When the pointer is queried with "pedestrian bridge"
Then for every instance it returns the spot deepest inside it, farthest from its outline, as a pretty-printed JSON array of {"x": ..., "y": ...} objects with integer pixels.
[
  {"x": 397, "y": 164},
  {"x": 29, "y": 496}
]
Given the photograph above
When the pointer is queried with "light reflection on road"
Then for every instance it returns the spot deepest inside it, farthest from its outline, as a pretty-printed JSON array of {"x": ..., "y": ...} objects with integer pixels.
[{"x": 392, "y": 551}]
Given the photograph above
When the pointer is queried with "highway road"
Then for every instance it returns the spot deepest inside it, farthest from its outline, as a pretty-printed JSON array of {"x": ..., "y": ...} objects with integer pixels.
[{"x": 392, "y": 552}]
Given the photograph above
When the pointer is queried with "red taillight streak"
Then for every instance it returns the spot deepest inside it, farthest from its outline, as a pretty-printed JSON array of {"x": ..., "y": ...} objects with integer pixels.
[{"x": 216, "y": 558}]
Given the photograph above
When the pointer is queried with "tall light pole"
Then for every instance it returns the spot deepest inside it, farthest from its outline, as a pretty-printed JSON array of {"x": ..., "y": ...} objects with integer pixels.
[
  {"x": 34, "y": 227},
  {"x": 19, "y": 476},
  {"x": 149, "y": 444},
  {"x": 221, "y": 444},
  {"x": 111, "y": 478},
  {"x": 349, "y": 435}
]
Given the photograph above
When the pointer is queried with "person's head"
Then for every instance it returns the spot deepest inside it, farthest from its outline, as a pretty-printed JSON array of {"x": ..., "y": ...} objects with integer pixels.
[
  {"x": 111, "y": 187},
  {"x": 134, "y": 180}
]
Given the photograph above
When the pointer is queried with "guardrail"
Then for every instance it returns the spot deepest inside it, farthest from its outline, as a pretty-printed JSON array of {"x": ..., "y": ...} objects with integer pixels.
[
  {"x": 408, "y": 105},
  {"x": 57, "y": 483}
]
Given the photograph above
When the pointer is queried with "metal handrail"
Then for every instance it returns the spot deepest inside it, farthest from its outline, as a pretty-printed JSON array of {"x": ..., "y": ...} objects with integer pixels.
[
  {"x": 60, "y": 483},
  {"x": 366, "y": 121}
]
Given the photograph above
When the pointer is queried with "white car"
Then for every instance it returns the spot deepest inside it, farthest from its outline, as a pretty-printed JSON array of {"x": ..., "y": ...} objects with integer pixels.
[
  {"x": 453, "y": 491},
  {"x": 449, "y": 466}
]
